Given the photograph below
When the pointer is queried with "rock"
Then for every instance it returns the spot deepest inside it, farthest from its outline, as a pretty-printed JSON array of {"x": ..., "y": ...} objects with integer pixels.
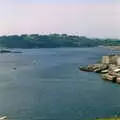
[
  {"x": 3, "y": 118},
  {"x": 113, "y": 67},
  {"x": 118, "y": 80},
  {"x": 114, "y": 73},
  {"x": 85, "y": 69},
  {"x": 104, "y": 71},
  {"x": 108, "y": 77},
  {"x": 100, "y": 67},
  {"x": 103, "y": 66},
  {"x": 98, "y": 70},
  {"x": 117, "y": 70},
  {"x": 109, "y": 68},
  {"x": 95, "y": 68}
]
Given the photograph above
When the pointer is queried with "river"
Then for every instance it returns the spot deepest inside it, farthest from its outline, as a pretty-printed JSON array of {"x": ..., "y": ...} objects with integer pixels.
[{"x": 46, "y": 84}]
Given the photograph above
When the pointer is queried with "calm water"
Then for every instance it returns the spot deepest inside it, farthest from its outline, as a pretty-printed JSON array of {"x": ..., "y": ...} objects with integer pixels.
[{"x": 47, "y": 85}]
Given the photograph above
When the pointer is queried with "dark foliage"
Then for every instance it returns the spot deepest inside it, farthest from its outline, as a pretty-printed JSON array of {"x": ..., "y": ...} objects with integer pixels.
[{"x": 53, "y": 41}]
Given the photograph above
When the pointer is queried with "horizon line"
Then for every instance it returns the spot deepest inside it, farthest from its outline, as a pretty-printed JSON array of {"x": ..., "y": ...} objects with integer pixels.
[{"x": 72, "y": 34}]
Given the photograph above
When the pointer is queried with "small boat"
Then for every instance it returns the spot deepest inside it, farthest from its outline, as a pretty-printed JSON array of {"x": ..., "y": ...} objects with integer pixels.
[{"x": 3, "y": 118}]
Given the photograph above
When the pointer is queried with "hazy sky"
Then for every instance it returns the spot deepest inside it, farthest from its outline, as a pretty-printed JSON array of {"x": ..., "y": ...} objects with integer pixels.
[{"x": 92, "y": 18}]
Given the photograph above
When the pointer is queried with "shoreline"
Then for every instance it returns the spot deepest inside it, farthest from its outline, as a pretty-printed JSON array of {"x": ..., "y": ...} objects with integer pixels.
[
  {"x": 111, "y": 47},
  {"x": 108, "y": 68}
]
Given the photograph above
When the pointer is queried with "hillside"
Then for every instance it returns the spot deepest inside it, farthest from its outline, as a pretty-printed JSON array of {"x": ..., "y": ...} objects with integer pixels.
[{"x": 53, "y": 41}]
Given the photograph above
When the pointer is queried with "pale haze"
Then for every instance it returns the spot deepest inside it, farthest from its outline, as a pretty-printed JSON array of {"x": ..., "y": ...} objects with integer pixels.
[{"x": 91, "y": 18}]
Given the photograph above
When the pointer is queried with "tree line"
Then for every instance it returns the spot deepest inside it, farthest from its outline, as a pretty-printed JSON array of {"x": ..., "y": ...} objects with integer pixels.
[{"x": 53, "y": 41}]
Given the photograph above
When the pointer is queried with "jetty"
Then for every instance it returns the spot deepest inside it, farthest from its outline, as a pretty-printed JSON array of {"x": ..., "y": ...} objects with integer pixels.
[{"x": 108, "y": 68}]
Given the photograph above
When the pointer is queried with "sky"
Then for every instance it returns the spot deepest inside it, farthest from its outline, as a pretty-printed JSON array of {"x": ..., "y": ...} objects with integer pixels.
[{"x": 91, "y": 18}]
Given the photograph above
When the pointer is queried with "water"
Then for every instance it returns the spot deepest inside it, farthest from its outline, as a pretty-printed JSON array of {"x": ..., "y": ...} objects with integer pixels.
[{"x": 46, "y": 84}]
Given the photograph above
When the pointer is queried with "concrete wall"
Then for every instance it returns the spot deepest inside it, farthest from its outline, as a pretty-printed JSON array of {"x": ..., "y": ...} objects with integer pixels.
[
  {"x": 111, "y": 59},
  {"x": 105, "y": 60},
  {"x": 118, "y": 61}
]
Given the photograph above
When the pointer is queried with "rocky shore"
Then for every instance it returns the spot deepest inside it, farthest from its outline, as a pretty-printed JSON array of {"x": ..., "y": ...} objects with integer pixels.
[{"x": 108, "y": 68}]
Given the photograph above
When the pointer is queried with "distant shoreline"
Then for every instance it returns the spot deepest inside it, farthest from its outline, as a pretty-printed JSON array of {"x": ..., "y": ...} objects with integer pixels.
[
  {"x": 111, "y": 47},
  {"x": 116, "y": 118},
  {"x": 54, "y": 41}
]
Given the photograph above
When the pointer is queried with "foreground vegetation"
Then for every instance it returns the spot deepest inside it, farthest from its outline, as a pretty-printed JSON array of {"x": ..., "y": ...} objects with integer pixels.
[{"x": 53, "y": 41}]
